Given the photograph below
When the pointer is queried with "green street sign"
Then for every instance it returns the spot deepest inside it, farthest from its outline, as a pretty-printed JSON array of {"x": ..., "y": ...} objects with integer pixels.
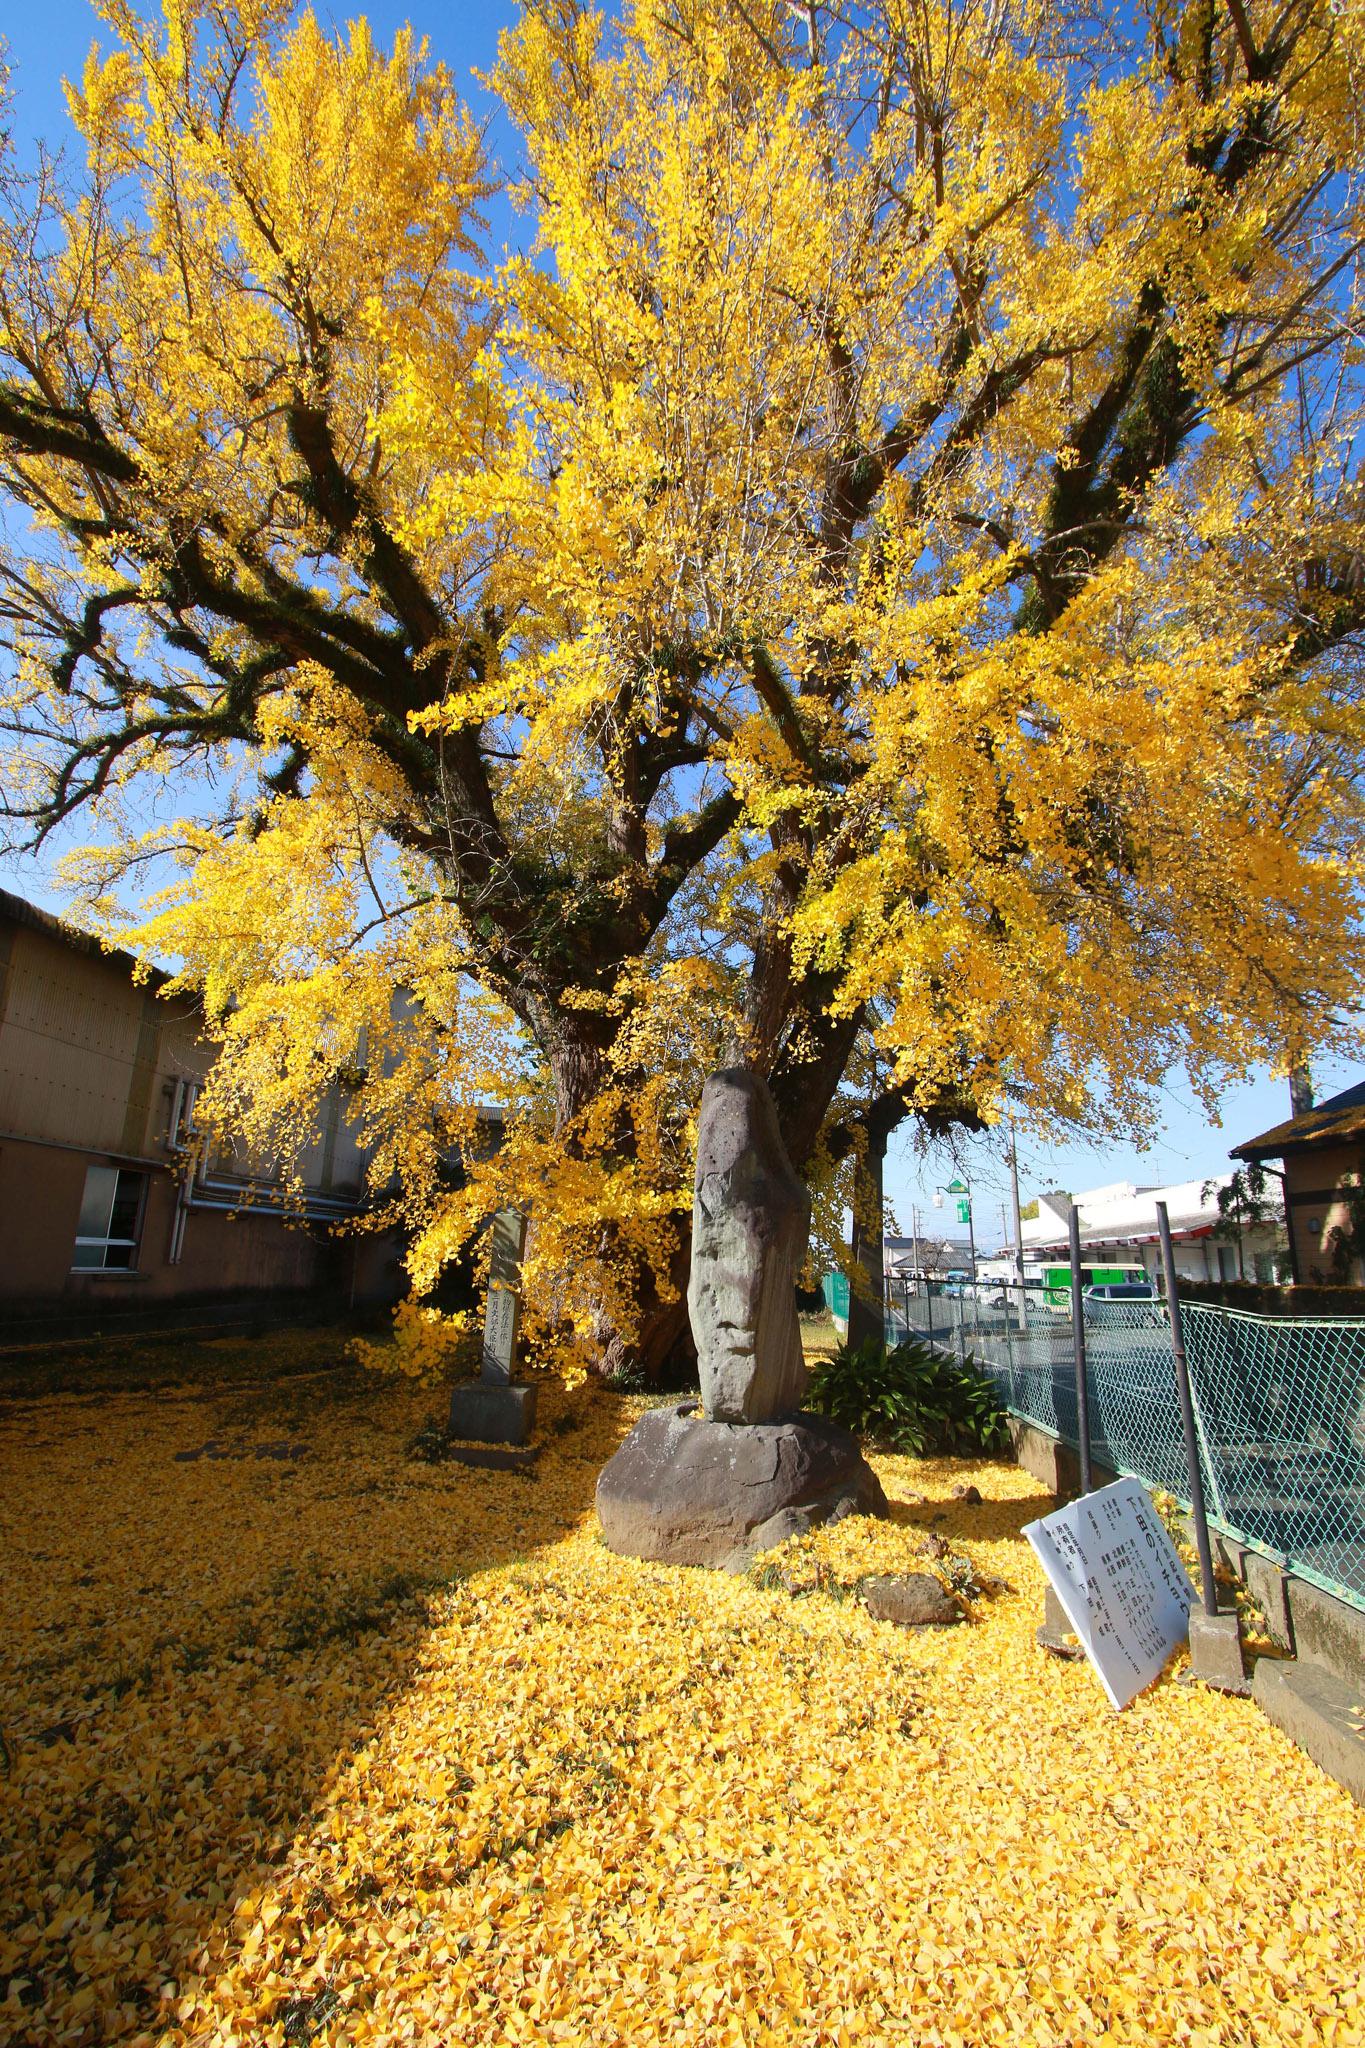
[{"x": 964, "y": 1211}]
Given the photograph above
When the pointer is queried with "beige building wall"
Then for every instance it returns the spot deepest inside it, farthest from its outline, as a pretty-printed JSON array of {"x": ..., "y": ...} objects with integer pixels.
[
  {"x": 92, "y": 1064},
  {"x": 1313, "y": 1195},
  {"x": 83, "y": 1047}
]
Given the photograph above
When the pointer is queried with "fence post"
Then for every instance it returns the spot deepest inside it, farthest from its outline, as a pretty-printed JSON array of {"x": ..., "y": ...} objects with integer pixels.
[
  {"x": 1078, "y": 1353},
  {"x": 1196, "y": 1409},
  {"x": 1182, "y": 1381}
]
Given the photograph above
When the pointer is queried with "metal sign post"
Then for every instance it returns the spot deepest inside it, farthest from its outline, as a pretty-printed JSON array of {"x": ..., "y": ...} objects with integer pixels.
[
  {"x": 1055, "y": 1632},
  {"x": 1215, "y": 1639},
  {"x": 1018, "y": 1230},
  {"x": 1182, "y": 1382},
  {"x": 1078, "y": 1352}
]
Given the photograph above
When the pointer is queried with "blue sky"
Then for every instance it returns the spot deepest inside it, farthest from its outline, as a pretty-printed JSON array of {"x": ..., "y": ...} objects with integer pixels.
[
  {"x": 1189, "y": 1147},
  {"x": 49, "y": 40}
]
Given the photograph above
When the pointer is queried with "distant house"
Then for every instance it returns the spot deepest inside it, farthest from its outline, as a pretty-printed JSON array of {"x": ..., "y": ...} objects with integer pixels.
[
  {"x": 1118, "y": 1226},
  {"x": 1323, "y": 1155},
  {"x": 102, "y": 1224},
  {"x": 910, "y": 1258}
]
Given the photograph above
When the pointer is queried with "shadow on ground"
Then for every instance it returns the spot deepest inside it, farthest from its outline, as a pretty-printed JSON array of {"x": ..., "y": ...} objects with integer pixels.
[
  {"x": 217, "y": 1593},
  {"x": 990, "y": 1520},
  {"x": 160, "y": 1359}
]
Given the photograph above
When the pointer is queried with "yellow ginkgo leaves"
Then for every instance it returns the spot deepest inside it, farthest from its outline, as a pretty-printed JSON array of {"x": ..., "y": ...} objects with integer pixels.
[{"x": 355, "y": 1749}]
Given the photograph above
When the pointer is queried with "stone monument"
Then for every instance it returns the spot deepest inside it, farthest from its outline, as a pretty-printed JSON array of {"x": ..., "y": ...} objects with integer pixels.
[
  {"x": 716, "y": 1486},
  {"x": 750, "y": 1218},
  {"x": 494, "y": 1410}
]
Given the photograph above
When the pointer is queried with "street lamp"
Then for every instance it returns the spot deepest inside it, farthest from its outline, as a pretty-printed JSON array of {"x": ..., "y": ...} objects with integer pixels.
[{"x": 962, "y": 1197}]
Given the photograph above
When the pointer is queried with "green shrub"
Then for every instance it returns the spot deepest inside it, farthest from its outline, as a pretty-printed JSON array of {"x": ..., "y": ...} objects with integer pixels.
[{"x": 911, "y": 1396}]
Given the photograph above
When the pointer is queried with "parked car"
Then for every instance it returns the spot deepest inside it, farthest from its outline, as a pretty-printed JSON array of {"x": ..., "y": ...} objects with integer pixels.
[{"x": 1137, "y": 1299}]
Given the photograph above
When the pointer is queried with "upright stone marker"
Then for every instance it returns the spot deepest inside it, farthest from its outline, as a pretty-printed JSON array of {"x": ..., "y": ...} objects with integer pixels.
[
  {"x": 494, "y": 1410},
  {"x": 750, "y": 1470},
  {"x": 750, "y": 1218},
  {"x": 502, "y": 1315},
  {"x": 1118, "y": 1577}
]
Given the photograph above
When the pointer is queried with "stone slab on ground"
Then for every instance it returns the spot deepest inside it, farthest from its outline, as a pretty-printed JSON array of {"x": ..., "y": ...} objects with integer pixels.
[
  {"x": 492, "y": 1457},
  {"x": 685, "y": 1490},
  {"x": 487, "y": 1413},
  {"x": 1321, "y": 1713}
]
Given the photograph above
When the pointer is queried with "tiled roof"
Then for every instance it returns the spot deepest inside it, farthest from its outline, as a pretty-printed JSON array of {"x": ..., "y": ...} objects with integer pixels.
[{"x": 1338, "y": 1121}]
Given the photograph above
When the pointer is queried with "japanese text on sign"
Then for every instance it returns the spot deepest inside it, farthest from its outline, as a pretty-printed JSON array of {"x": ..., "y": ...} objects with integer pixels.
[{"x": 1117, "y": 1575}]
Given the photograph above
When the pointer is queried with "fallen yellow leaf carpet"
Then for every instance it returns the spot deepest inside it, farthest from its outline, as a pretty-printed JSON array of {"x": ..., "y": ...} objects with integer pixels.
[{"x": 309, "y": 1741}]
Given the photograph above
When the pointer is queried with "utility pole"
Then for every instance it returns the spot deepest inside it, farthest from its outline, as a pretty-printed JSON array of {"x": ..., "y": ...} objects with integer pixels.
[{"x": 1018, "y": 1226}]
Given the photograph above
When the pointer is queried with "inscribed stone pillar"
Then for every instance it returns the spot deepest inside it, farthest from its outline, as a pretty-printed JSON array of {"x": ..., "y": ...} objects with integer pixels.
[
  {"x": 750, "y": 1219},
  {"x": 494, "y": 1409}
]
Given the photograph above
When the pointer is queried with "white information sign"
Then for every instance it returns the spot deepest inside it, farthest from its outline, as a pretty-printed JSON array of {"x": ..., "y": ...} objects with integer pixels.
[{"x": 1118, "y": 1577}]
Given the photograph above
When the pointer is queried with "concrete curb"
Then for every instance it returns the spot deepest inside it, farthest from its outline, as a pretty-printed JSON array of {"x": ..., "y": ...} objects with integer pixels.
[{"x": 1321, "y": 1713}]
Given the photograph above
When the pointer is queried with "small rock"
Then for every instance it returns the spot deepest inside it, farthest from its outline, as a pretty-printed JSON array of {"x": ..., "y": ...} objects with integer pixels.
[
  {"x": 970, "y": 1496},
  {"x": 779, "y": 1528},
  {"x": 910, "y": 1599}
]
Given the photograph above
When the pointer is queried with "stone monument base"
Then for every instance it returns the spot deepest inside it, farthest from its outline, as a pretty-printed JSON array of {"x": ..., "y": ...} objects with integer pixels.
[
  {"x": 486, "y": 1413},
  {"x": 1216, "y": 1651},
  {"x": 685, "y": 1490},
  {"x": 1055, "y": 1632}
]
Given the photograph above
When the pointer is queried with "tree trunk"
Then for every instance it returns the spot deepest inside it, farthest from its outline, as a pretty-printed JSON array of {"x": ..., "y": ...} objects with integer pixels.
[
  {"x": 661, "y": 1346},
  {"x": 663, "y": 1350},
  {"x": 576, "y": 1046},
  {"x": 804, "y": 1084},
  {"x": 866, "y": 1294}
]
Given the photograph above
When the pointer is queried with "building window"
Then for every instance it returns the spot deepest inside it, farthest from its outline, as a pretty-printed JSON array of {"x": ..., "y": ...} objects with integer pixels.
[
  {"x": 1227, "y": 1262},
  {"x": 106, "y": 1236},
  {"x": 181, "y": 1131}
]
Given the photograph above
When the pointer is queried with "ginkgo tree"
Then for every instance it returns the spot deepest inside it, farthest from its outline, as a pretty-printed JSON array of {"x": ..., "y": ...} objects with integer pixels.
[{"x": 878, "y": 573}]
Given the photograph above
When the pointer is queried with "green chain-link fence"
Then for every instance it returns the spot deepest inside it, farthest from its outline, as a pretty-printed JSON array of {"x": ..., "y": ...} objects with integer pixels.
[{"x": 1279, "y": 1407}]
